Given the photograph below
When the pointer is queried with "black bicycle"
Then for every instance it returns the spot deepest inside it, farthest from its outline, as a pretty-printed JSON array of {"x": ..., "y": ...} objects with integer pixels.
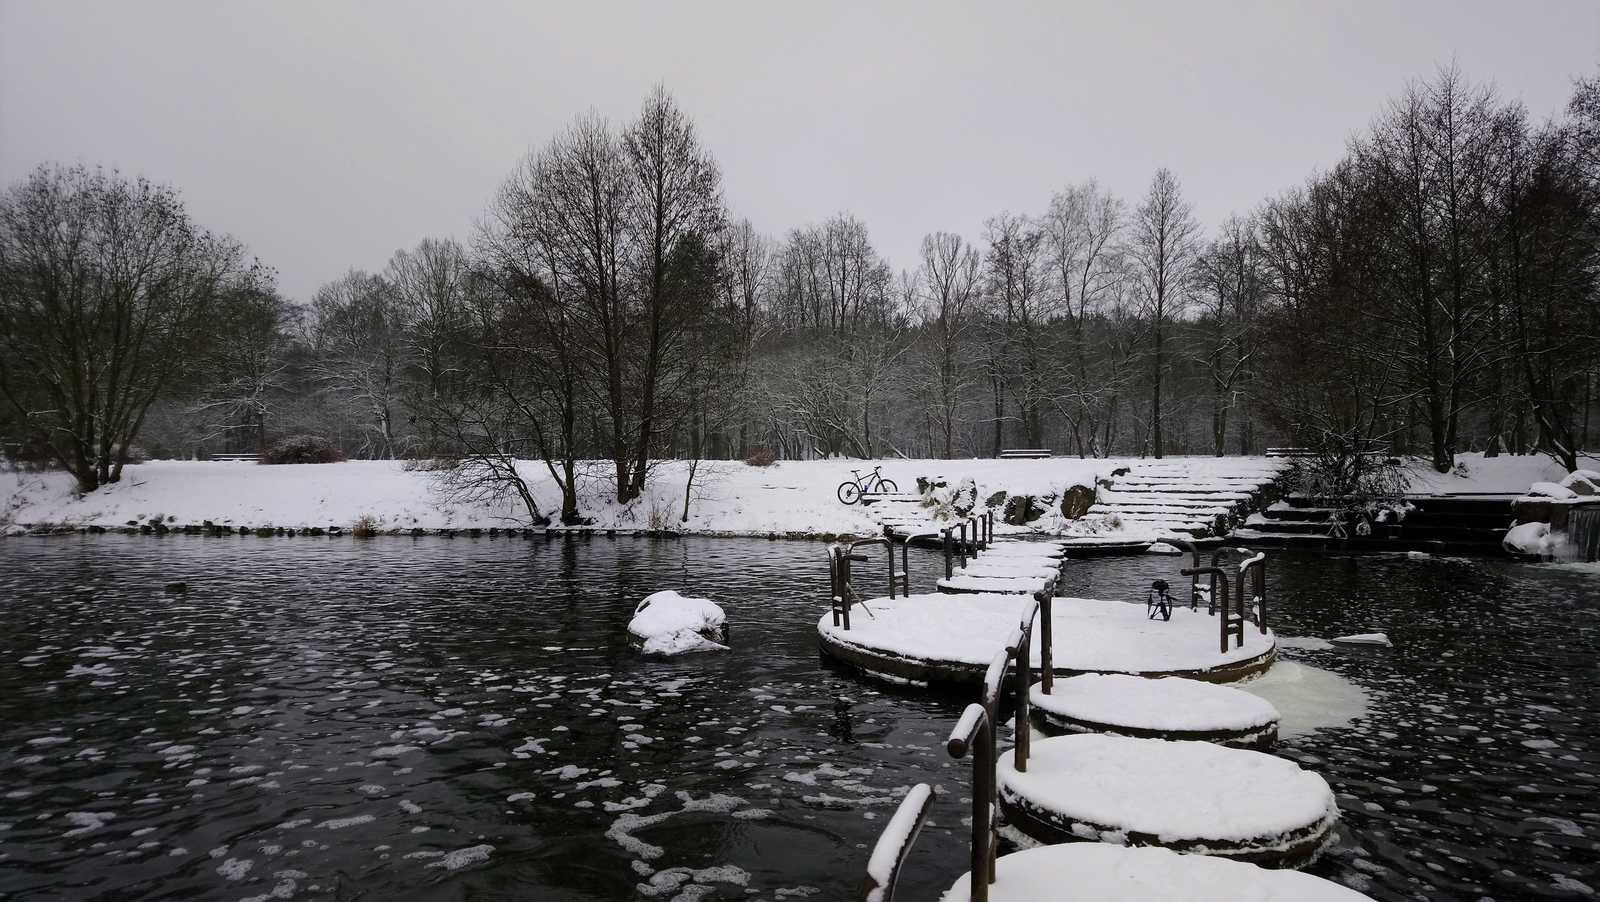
[{"x": 851, "y": 490}]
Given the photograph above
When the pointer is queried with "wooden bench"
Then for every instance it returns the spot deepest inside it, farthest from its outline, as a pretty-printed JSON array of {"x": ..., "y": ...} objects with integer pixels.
[{"x": 1023, "y": 453}]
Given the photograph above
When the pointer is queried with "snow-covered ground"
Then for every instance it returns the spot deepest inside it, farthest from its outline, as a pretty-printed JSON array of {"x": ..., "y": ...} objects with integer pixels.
[
  {"x": 728, "y": 497},
  {"x": 1478, "y": 475}
]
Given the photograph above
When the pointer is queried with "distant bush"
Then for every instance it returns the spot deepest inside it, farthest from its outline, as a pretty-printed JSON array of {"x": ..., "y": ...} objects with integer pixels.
[
  {"x": 303, "y": 449},
  {"x": 761, "y": 456},
  {"x": 429, "y": 464}
]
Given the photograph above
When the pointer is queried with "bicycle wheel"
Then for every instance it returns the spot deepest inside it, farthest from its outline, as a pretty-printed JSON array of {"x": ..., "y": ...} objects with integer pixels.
[
  {"x": 887, "y": 486},
  {"x": 849, "y": 492}
]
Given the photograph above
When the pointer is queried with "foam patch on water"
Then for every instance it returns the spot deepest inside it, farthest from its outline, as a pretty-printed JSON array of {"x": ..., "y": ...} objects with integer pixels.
[
  {"x": 1308, "y": 698},
  {"x": 460, "y": 858},
  {"x": 87, "y": 821}
]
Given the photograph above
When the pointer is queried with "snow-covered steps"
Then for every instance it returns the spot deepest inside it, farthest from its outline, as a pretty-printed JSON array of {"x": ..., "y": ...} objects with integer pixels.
[
  {"x": 1107, "y": 873},
  {"x": 1163, "y": 708},
  {"x": 1189, "y": 497},
  {"x": 1433, "y": 524},
  {"x": 951, "y": 639},
  {"x": 1185, "y": 796},
  {"x": 1010, "y": 585}
]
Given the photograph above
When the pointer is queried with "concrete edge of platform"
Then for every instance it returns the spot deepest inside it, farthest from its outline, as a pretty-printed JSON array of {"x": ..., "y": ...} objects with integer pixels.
[
  {"x": 1052, "y": 723},
  {"x": 898, "y": 668},
  {"x": 1293, "y": 850}
]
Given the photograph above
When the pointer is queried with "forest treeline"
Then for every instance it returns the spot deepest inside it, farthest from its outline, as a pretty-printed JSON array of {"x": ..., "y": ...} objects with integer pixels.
[{"x": 1432, "y": 293}]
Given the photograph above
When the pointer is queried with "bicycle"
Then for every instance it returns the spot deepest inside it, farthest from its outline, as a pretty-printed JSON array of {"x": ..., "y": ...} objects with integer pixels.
[{"x": 851, "y": 490}]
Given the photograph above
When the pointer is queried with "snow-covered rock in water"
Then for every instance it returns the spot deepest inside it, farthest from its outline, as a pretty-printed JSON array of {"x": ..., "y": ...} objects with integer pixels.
[
  {"x": 1163, "y": 548},
  {"x": 1532, "y": 539},
  {"x": 1364, "y": 639},
  {"x": 1551, "y": 490},
  {"x": 667, "y": 623},
  {"x": 1108, "y": 873}
]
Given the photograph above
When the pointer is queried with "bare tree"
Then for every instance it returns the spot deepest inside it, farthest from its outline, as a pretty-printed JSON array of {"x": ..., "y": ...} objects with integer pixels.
[
  {"x": 360, "y": 354},
  {"x": 1083, "y": 229},
  {"x": 1163, "y": 247},
  {"x": 1016, "y": 282},
  {"x": 109, "y": 294},
  {"x": 1229, "y": 289},
  {"x": 947, "y": 290}
]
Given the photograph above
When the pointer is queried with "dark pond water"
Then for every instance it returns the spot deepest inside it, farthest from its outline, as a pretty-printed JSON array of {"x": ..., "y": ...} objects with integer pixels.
[{"x": 462, "y": 719}]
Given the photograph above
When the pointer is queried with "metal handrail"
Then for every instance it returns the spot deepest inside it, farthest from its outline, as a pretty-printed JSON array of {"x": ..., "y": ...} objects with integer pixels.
[
  {"x": 1231, "y": 623},
  {"x": 895, "y": 844},
  {"x": 975, "y": 733},
  {"x": 843, "y": 591}
]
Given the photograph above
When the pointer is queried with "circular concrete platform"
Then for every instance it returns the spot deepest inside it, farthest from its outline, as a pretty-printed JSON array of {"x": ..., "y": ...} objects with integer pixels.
[
  {"x": 1108, "y": 873},
  {"x": 1194, "y": 797},
  {"x": 938, "y": 638},
  {"x": 1163, "y": 708}
]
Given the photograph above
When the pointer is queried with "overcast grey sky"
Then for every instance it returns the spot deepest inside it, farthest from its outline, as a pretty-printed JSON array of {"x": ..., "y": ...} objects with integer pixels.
[{"x": 326, "y": 136}]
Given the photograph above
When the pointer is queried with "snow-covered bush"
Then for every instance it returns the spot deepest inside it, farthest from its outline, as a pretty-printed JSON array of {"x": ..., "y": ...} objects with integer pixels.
[
  {"x": 303, "y": 449},
  {"x": 761, "y": 456}
]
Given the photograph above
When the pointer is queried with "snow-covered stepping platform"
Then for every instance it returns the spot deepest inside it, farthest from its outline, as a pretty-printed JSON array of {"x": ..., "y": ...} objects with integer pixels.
[
  {"x": 1026, "y": 567},
  {"x": 1009, "y": 584},
  {"x": 1107, "y": 873},
  {"x": 1185, "y": 796},
  {"x": 1162, "y": 708},
  {"x": 943, "y": 638}
]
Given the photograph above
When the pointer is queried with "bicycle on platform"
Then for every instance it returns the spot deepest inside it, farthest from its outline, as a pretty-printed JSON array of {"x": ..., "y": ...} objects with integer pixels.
[{"x": 851, "y": 490}]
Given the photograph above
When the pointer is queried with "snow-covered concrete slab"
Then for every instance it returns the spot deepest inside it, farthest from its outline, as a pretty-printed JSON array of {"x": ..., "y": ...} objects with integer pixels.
[
  {"x": 1022, "y": 585},
  {"x": 1188, "y": 796},
  {"x": 1107, "y": 873},
  {"x": 944, "y": 638},
  {"x": 1162, "y": 708}
]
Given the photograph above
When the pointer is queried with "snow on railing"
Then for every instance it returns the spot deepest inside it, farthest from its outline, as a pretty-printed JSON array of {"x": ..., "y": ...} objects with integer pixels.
[{"x": 883, "y": 868}]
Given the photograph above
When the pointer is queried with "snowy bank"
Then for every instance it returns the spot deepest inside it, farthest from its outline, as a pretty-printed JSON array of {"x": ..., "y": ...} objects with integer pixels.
[{"x": 791, "y": 498}]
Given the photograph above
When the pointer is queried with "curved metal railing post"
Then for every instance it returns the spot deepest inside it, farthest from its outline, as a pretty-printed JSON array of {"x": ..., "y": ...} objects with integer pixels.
[
  {"x": 1047, "y": 677},
  {"x": 949, "y": 566},
  {"x": 1254, "y": 571},
  {"x": 975, "y": 733},
  {"x": 1230, "y": 624},
  {"x": 889, "y": 855},
  {"x": 963, "y": 544},
  {"x": 1024, "y": 690}
]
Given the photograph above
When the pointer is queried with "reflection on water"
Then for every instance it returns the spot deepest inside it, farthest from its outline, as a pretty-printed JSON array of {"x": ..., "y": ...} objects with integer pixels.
[{"x": 443, "y": 719}]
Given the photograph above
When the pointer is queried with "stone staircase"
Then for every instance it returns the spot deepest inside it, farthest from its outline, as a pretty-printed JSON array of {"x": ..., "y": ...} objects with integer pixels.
[
  {"x": 1190, "y": 498},
  {"x": 1436, "y": 524}
]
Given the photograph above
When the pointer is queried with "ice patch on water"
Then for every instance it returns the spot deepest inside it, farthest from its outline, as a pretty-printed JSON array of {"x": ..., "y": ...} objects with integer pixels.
[
  {"x": 621, "y": 832},
  {"x": 1567, "y": 884},
  {"x": 519, "y": 797},
  {"x": 460, "y": 858},
  {"x": 48, "y": 740},
  {"x": 88, "y": 821},
  {"x": 1561, "y": 824},
  {"x": 1305, "y": 643},
  {"x": 1540, "y": 744},
  {"x": 393, "y": 751},
  {"x": 235, "y": 868},
  {"x": 339, "y": 823},
  {"x": 530, "y": 746},
  {"x": 1308, "y": 698}
]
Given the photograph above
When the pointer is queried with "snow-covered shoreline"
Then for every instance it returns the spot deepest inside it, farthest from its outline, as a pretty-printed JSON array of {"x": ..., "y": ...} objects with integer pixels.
[{"x": 789, "y": 499}]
